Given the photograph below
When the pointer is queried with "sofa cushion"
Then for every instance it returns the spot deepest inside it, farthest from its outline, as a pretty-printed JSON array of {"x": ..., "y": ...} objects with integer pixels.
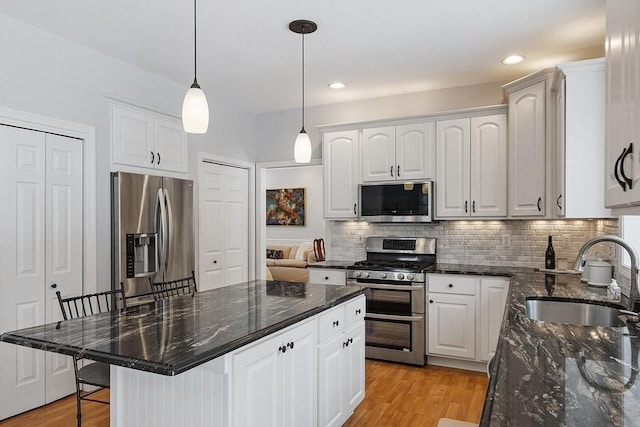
[
  {"x": 274, "y": 254},
  {"x": 290, "y": 263}
]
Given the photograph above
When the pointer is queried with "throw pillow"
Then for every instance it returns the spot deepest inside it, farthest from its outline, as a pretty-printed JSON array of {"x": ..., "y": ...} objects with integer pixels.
[
  {"x": 274, "y": 254},
  {"x": 303, "y": 250}
]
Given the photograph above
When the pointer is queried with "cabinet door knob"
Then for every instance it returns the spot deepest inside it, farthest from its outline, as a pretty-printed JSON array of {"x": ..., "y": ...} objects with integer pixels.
[
  {"x": 430, "y": 301},
  {"x": 290, "y": 345},
  {"x": 283, "y": 349},
  {"x": 153, "y": 157},
  {"x": 336, "y": 323},
  {"x": 54, "y": 286},
  {"x": 558, "y": 201},
  {"x": 391, "y": 171},
  {"x": 326, "y": 277},
  {"x": 473, "y": 206},
  {"x": 358, "y": 311},
  {"x": 451, "y": 285},
  {"x": 158, "y": 158},
  {"x": 398, "y": 171},
  {"x": 354, "y": 209},
  {"x": 538, "y": 204}
]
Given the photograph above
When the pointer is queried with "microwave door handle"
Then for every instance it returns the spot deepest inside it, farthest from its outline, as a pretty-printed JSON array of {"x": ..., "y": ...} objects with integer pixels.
[{"x": 390, "y": 287}]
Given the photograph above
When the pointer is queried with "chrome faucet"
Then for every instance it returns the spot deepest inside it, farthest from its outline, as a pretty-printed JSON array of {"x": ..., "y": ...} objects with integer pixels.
[{"x": 580, "y": 261}]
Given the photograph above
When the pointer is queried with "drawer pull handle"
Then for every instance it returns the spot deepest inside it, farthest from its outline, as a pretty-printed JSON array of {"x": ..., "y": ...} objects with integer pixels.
[
  {"x": 336, "y": 323},
  {"x": 326, "y": 277},
  {"x": 451, "y": 285},
  {"x": 358, "y": 311}
]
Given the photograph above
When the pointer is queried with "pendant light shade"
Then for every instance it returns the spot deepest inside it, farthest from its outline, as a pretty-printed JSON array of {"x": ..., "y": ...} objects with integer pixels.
[
  {"x": 195, "y": 110},
  {"x": 302, "y": 148}
]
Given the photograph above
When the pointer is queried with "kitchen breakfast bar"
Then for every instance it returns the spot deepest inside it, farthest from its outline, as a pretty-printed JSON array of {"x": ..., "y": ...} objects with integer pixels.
[{"x": 229, "y": 356}]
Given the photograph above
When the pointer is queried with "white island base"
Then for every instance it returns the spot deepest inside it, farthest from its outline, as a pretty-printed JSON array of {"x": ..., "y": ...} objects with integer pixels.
[{"x": 308, "y": 374}]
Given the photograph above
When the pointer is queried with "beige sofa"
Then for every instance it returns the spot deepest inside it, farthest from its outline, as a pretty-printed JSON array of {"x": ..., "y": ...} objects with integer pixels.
[{"x": 292, "y": 267}]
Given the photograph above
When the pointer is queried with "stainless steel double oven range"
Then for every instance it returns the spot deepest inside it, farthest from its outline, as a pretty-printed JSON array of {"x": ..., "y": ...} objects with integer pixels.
[{"x": 394, "y": 274}]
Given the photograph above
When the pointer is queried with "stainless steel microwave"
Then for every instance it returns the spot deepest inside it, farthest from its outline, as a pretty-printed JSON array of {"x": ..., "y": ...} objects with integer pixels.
[{"x": 397, "y": 202}]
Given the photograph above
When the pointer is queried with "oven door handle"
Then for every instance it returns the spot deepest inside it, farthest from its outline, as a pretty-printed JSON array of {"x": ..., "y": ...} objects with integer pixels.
[
  {"x": 389, "y": 287},
  {"x": 392, "y": 317}
]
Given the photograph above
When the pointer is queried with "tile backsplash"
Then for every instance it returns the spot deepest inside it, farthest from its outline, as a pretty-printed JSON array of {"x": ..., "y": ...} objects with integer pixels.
[{"x": 519, "y": 243}]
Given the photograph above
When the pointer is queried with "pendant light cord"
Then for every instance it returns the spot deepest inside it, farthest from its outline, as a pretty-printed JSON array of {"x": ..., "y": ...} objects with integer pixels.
[
  {"x": 303, "y": 79},
  {"x": 195, "y": 45}
]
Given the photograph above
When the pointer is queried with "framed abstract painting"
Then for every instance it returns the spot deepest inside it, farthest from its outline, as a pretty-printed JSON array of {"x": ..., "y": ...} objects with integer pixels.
[{"x": 286, "y": 206}]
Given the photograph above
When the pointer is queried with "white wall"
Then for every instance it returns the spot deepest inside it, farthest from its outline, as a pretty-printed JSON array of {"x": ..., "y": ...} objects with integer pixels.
[
  {"x": 310, "y": 178},
  {"x": 43, "y": 74},
  {"x": 276, "y": 132}
]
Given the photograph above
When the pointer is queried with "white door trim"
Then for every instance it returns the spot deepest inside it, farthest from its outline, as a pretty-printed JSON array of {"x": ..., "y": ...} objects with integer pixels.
[
  {"x": 87, "y": 134},
  {"x": 251, "y": 168},
  {"x": 261, "y": 213}
]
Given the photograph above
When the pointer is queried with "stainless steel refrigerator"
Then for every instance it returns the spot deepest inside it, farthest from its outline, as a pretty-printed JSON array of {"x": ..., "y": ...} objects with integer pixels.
[{"x": 151, "y": 231}]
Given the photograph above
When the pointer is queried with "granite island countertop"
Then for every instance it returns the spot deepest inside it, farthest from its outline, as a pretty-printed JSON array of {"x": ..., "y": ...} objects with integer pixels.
[
  {"x": 171, "y": 336},
  {"x": 553, "y": 374}
]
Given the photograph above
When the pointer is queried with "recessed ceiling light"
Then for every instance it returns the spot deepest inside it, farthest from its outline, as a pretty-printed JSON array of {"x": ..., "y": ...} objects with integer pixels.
[
  {"x": 513, "y": 59},
  {"x": 337, "y": 85}
]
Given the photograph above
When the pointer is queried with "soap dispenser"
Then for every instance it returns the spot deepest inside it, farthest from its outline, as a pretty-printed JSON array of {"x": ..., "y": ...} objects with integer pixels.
[{"x": 613, "y": 291}]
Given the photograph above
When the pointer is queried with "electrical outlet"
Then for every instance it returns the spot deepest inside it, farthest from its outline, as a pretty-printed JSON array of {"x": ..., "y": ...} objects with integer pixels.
[{"x": 506, "y": 240}]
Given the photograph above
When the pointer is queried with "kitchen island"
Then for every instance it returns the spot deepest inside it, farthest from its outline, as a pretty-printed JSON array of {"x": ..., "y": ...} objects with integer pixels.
[
  {"x": 177, "y": 361},
  {"x": 556, "y": 374}
]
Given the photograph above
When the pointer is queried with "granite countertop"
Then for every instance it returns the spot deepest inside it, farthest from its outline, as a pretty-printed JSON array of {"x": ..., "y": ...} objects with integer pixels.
[
  {"x": 555, "y": 374},
  {"x": 342, "y": 265},
  {"x": 174, "y": 335}
]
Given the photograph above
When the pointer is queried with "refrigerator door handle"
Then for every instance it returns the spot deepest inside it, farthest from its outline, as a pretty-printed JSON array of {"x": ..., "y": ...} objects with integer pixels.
[
  {"x": 169, "y": 229},
  {"x": 162, "y": 232}
]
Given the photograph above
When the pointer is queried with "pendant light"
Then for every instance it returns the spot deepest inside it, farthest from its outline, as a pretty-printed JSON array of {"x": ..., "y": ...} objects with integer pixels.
[
  {"x": 302, "y": 147},
  {"x": 195, "y": 111}
]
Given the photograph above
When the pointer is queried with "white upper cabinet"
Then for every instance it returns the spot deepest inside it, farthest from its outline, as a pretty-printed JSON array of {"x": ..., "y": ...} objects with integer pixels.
[
  {"x": 340, "y": 172},
  {"x": 472, "y": 167},
  {"x": 579, "y": 91},
  {"x": 527, "y": 145},
  {"x": 453, "y": 150},
  {"x": 622, "y": 162},
  {"x": 146, "y": 139},
  {"x": 401, "y": 152}
]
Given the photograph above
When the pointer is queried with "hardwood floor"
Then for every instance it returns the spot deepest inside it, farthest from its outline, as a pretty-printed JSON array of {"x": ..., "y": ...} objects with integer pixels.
[
  {"x": 402, "y": 395},
  {"x": 396, "y": 395},
  {"x": 62, "y": 413}
]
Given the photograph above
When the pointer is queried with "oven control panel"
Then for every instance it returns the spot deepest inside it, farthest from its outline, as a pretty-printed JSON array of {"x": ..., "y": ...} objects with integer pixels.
[{"x": 390, "y": 276}]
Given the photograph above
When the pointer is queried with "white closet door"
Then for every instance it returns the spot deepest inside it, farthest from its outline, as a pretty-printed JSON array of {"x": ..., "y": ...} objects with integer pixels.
[
  {"x": 22, "y": 265},
  {"x": 41, "y": 229},
  {"x": 224, "y": 221},
  {"x": 63, "y": 247}
]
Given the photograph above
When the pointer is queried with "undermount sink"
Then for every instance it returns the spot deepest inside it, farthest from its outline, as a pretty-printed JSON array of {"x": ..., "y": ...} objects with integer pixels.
[{"x": 573, "y": 312}]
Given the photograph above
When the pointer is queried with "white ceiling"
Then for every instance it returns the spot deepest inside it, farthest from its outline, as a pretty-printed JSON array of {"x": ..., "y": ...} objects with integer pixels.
[{"x": 247, "y": 55}]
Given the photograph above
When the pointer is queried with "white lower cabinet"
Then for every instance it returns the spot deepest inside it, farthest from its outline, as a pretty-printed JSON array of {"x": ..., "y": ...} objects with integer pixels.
[
  {"x": 274, "y": 382},
  {"x": 310, "y": 374},
  {"x": 328, "y": 276},
  {"x": 465, "y": 315},
  {"x": 452, "y": 316},
  {"x": 341, "y": 363}
]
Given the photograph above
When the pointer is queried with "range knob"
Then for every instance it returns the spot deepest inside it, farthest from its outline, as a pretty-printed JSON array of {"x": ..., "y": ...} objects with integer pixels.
[
  {"x": 365, "y": 274},
  {"x": 409, "y": 277},
  {"x": 383, "y": 275},
  {"x": 400, "y": 276},
  {"x": 356, "y": 274}
]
